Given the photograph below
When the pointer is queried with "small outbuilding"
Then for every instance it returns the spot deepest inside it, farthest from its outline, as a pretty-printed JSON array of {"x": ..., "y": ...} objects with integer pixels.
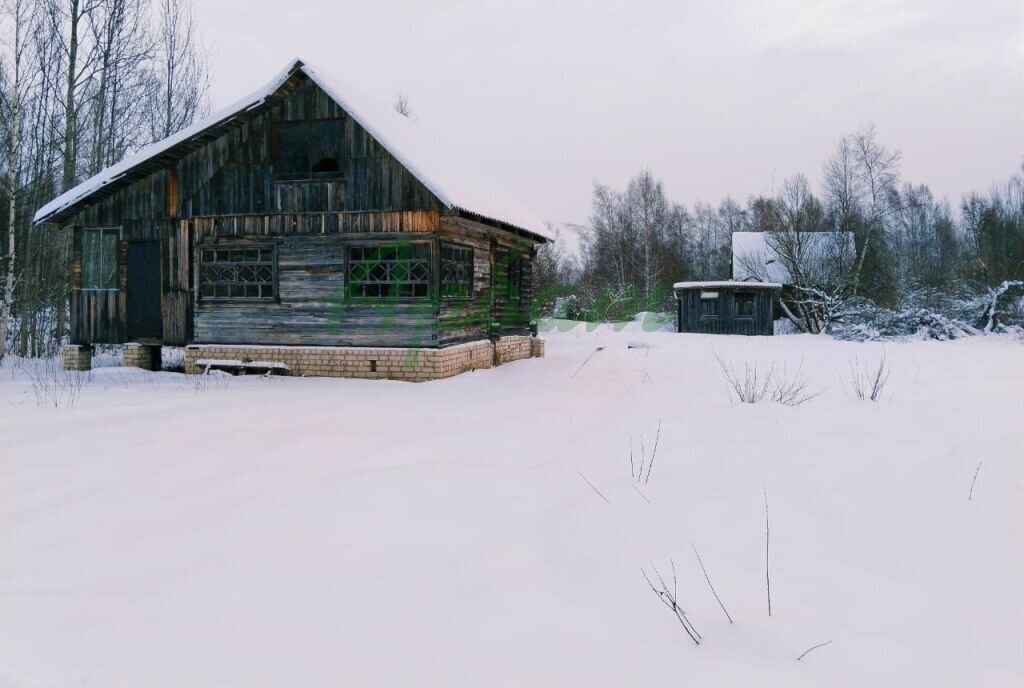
[{"x": 726, "y": 307}]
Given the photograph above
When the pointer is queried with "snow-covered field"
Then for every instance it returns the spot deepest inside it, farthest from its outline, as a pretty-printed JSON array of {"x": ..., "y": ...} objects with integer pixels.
[{"x": 315, "y": 532}]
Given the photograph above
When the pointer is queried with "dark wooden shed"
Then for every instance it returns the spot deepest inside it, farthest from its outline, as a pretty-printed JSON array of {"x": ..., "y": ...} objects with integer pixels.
[
  {"x": 304, "y": 215},
  {"x": 726, "y": 307}
]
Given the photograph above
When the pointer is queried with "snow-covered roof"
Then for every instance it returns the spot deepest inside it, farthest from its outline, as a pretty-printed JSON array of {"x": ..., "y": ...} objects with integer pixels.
[
  {"x": 726, "y": 284},
  {"x": 754, "y": 258},
  {"x": 456, "y": 185}
]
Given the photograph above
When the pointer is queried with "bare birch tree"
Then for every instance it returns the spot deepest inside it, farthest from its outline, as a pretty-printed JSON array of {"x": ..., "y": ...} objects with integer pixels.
[
  {"x": 19, "y": 84},
  {"x": 647, "y": 210},
  {"x": 124, "y": 45},
  {"x": 817, "y": 264},
  {"x": 70, "y": 22},
  {"x": 876, "y": 170},
  {"x": 181, "y": 70}
]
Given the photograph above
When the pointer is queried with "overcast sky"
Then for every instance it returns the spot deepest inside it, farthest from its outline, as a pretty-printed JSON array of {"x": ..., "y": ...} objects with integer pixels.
[{"x": 716, "y": 97}]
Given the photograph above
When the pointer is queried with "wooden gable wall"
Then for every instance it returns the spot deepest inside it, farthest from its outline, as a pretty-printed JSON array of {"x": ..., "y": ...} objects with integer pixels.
[
  {"x": 226, "y": 188},
  {"x": 232, "y": 175},
  {"x": 225, "y": 192}
]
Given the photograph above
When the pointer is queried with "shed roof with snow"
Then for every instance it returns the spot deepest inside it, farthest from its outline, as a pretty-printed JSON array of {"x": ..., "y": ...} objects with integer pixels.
[{"x": 726, "y": 284}]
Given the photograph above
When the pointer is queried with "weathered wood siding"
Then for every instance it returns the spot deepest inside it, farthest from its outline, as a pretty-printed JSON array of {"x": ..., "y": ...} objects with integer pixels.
[
  {"x": 461, "y": 320},
  {"x": 726, "y": 322},
  {"x": 224, "y": 190},
  {"x": 231, "y": 177},
  {"x": 312, "y": 307}
]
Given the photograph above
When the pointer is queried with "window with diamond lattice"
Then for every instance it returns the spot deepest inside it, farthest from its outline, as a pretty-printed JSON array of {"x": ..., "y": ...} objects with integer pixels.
[
  {"x": 456, "y": 271},
  {"x": 237, "y": 272},
  {"x": 399, "y": 271}
]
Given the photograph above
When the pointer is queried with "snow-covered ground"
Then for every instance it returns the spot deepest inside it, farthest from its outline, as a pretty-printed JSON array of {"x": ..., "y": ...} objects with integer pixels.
[{"x": 317, "y": 532}]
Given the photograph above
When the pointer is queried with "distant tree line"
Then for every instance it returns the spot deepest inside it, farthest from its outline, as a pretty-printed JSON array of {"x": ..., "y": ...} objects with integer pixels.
[
  {"x": 910, "y": 248},
  {"x": 83, "y": 83}
]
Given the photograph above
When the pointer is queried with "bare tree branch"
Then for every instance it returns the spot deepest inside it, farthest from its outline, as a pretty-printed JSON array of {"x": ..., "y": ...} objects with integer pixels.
[
  {"x": 970, "y": 495},
  {"x": 814, "y": 648},
  {"x": 708, "y": 579},
  {"x": 608, "y": 501}
]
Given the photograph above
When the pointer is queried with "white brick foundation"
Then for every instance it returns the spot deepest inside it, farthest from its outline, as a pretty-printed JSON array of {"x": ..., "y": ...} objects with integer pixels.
[
  {"x": 414, "y": 365},
  {"x": 76, "y": 357},
  {"x": 141, "y": 356}
]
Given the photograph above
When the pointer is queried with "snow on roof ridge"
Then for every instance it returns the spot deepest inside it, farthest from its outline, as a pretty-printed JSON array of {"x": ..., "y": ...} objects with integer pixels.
[{"x": 456, "y": 187}]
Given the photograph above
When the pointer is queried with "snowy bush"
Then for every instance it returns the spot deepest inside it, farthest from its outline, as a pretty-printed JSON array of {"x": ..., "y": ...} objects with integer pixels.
[
  {"x": 868, "y": 382},
  {"x": 669, "y": 596},
  {"x": 620, "y": 304},
  {"x": 928, "y": 314},
  {"x": 755, "y": 385},
  {"x": 54, "y": 386}
]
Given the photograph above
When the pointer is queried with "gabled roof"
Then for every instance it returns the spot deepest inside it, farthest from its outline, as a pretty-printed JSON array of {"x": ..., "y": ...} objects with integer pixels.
[
  {"x": 457, "y": 187},
  {"x": 753, "y": 257}
]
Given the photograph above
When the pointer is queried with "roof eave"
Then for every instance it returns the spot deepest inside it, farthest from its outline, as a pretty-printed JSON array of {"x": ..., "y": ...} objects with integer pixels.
[
  {"x": 500, "y": 224},
  {"x": 256, "y": 101}
]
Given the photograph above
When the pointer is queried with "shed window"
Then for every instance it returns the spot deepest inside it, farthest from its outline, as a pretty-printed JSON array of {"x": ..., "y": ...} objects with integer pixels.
[
  {"x": 389, "y": 271},
  {"x": 456, "y": 271},
  {"x": 744, "y": 301},
  {"x": 308, "y": 149},
  {"x": 238, "y": 272},
  {"x": 709, "y": 304},
  {"x": 99, "y": 258}
]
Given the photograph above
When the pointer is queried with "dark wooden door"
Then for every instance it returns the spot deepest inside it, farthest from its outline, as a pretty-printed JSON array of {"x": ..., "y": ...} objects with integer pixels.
[{"x": 143, "y": 302}]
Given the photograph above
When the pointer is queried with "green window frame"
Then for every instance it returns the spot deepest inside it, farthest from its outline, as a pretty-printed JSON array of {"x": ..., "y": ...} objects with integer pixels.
[
  {"x": 99, "y": 258},
  {"x": 389, "y": 271},
  {"x": 238, "y": 272},
  {"x": 456, "y": 271}
]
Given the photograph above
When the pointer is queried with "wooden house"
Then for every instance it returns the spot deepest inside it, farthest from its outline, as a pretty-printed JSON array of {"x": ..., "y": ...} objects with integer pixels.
[
  {"x": 306, "y": 228},
  {"x": 726, "y": 307}
]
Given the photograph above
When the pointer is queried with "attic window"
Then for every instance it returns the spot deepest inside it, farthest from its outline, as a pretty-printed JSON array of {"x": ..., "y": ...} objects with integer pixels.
[
  {"x": 326, "y": 168},
  {"x": 308, "y": 149}
]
